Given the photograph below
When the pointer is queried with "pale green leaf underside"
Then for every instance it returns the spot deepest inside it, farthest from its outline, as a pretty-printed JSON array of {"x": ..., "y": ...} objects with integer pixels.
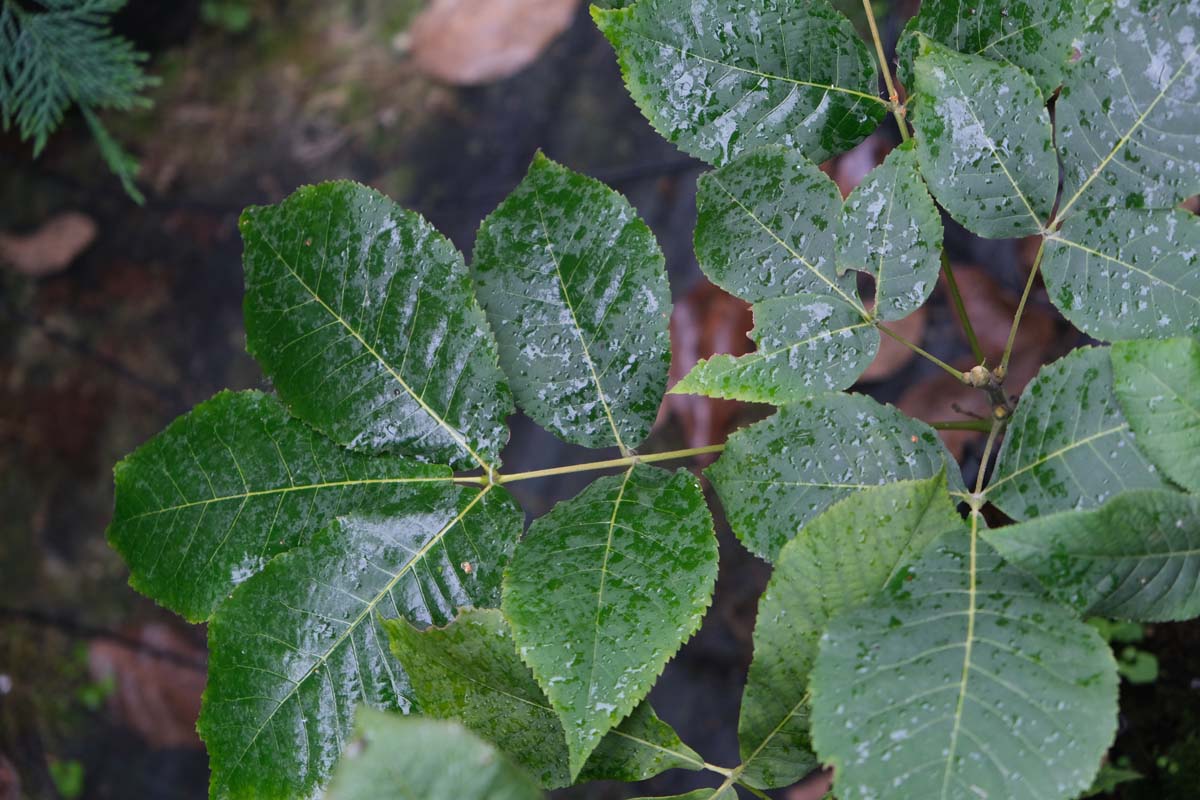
[
  {"x": 470, "y": 671},
  {"x": 408, "y": 758},
  {"x": 297, "y": 646},
  {"x": 984, "y": 142},
  {"x": 807, "y": 343},
  {"x": 1135, "y": 557},
  {"x": 364, "y": 318},
  {"x": 776, "y": 475},
  {"x": 962, "y": 680},
  {"x": 1127, "y": 274},
  {"x": 575, "y": 288},
  {"x": 1158, "y": 386},
  {"x": 1130, "y": 108},
  {"x": 209, "y": 501},
  {"x": 891, "y": 229},
  {"x": 720, "y": 79},
  {"x": 840, "y": 560},
  {"x": 1068, "y": 446},
  {"x": 604, "y": 589},
  {"x": 766, "y": 227}
]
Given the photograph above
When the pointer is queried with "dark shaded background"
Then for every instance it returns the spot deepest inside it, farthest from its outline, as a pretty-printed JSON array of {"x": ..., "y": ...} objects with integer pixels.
[{"x": 99, "y": 688}]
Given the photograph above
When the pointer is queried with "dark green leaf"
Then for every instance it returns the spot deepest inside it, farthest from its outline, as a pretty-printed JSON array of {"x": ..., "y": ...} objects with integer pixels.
[
  {"x": 470, "y": 671},
  {"x": 1135, "y": 557},
  {"x": 842, "y": 559},
  {"x": 574, "y": 286},
  {"x": 205, "y": 504},
  {"x": 296, "y": 646},
  {"x": 719, "y": 79},
  {"x": 984, "y": 142},
  {"x": 1110, "y": 778},
  {"x": 1122, "y": 274},
  {"x": 364, "y": 318},
  {"x": 778, "y": 474},
  {"x": 418, "y": 759},
  {"x": 604, "y": 589},
  {"x": 807, "y": 343},
  {"x": 891, "y": 229},
  {"x": 962, "y": 680},
  {"x": 1068, "y": 446},
  {"x": 1158, "y": 386}
]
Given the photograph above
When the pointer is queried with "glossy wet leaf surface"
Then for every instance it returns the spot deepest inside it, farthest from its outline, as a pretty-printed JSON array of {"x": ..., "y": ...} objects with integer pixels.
[
  {"x": 209, "y": 501},
  {"x": 892, "y": 230},
  {"x": 962, "y": 680},
  {"x": 575, "y": 288},
  {"x": 840, "y": 560},
  {"x": 408, "y": 757},
  {"x": 1158, "y": 387},
  {"x": 720, "y": 79},
  {"x": 1068, "y": 446},
  {"x": 806, "y": 343},
  {"x": 1135, "y": 557},
  {"x": 778, "y": 474},
  {"x": 984, "y": 142},
  {"x": 364, "y": 318},
  {"x": 298, "y": 645},
  {"x": 470, "y": 671},
  {"x": 604, "y": 589}
]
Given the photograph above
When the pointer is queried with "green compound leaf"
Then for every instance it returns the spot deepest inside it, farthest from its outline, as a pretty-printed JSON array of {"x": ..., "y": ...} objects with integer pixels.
[
  {"x": 1035, "y": 35},
  {"x": 364, "y": 318},
  {"x": 842, "y": 559},
  {"x": 1135, "y": 557},
  {"x": 470, "y": 671},
  {"x": 807, "y": 343},
  {"x": 209, "y": 501},
  {"x": 1130, "y": 107},
  {"x": 891, "y": 230},
  {"x": 1158, "y": 386},
  {"x": 1068, "y": 446},
  {"x": 984, "y": 142},
  {"x": 1121, "y": 274},
  {"x": 397, "y": 757},
  {"x": 575, "y": 288},
  {"x": 604, "y": 589},
  {"x": 765, "y": 227},
  {"x": 719, "y": 79},
  {"x": 296, "y": 646},
  {"x": 776, "y": 475},
  {"x": 962, "y": 680}
]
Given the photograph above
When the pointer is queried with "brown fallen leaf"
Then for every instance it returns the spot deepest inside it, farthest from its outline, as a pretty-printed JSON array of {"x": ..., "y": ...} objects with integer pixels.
[
  {"x": 849, "y": 169},
  {"x": 814, "y": 787},
  {"x": 991, "y": 307},
  {"x": 51, "y": 248},
  {"x": 468, "y": 42},
  {"x": 10, "y": 781},
  {"x": 893, "y": 356}
]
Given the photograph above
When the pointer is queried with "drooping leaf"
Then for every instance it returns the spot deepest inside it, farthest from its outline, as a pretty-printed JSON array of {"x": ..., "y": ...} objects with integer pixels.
[
  {"x": 891, "y": 229},
  {"x": 365, "y": 320},
  {"x": 1127, "y": 274},
  {"x": 470, "y": 671},
  {"x": 296, "y": 646},
  {"x": 1108, "y": 779},
  {"x": 406, "y": 757},
  {"x": 720, "y": 79},
  {"x": 962, "y": 680},
  {"x": 1035, "y": 35},
  {"x": 842, "y": 559},
  {"x": 778, "y": 474},
  {"x": 604, "y": 589},
  {"x": 574, "y": 286},
  {"x": 766, "y": 227},
  {"x": 209, "y": 501},
  {"x": 1158, "y": 387},
  {"x": 1068, "y": 445},
  {"x": 1130, "y": 107},
  {"x": 806, "y": 343},
  {"x": 984, "y": 142},
  {"x": 1135, "y": 557}
]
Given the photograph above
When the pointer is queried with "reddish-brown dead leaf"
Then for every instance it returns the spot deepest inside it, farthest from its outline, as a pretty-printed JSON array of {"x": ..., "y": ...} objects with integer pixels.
[
  {"x": 849, "y": 169},
  {"x": 51, "y": 248}
]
